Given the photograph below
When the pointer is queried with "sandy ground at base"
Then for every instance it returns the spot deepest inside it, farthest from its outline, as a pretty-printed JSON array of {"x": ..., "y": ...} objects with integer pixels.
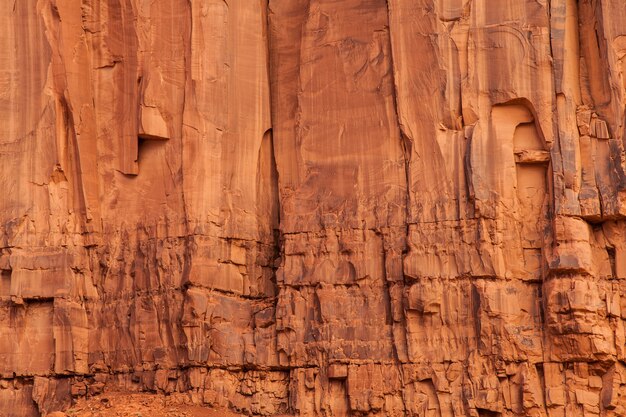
[{"x": 117, "y": 404}]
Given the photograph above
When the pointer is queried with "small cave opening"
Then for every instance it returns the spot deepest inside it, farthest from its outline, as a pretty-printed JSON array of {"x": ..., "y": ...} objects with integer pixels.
[
  {"x": 5, "y": 282},
  {"x": 147, "y": 145},
  {"x": 611, "y": 254}
]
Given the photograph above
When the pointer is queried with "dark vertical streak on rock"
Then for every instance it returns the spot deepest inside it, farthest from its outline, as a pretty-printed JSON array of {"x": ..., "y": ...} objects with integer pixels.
[{"x": 406, "y": 145}]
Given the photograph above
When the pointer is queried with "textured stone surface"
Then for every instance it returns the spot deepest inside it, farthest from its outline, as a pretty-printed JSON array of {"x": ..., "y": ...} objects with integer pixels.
[{"x": 315, "y": 207}]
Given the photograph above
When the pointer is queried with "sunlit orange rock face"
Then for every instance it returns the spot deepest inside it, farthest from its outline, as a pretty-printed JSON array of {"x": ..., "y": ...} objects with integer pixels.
[{"x": 315, "y": 207}]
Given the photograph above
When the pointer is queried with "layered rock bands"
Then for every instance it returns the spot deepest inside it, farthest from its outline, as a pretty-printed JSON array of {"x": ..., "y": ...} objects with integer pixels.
[{"x": 315, "y": 207}]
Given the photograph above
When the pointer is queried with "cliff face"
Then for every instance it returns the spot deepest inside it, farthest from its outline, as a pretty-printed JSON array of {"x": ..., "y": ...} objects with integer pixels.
[{"x": 398, "y": 208}]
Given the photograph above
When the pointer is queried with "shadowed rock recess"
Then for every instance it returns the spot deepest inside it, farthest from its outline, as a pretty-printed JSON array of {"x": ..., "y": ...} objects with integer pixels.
[{"x": 315, "y": 207}]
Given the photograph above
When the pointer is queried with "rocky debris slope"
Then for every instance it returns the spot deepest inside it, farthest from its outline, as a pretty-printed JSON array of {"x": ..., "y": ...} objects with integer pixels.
[
  {"x": 116, "y": 404},
  {"x": 366, "y": 207}
]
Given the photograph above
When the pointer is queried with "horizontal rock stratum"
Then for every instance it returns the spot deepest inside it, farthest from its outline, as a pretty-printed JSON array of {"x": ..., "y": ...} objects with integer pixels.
[{"x": 315, "y": 207}]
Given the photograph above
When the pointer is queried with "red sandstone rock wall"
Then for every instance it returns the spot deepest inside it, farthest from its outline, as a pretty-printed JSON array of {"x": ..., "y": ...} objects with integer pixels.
[{"x": 322, "y": 207}]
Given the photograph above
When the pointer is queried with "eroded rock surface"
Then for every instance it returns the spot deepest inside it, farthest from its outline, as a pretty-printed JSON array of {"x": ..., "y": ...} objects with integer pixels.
[{"x": 315, "y": 207}]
